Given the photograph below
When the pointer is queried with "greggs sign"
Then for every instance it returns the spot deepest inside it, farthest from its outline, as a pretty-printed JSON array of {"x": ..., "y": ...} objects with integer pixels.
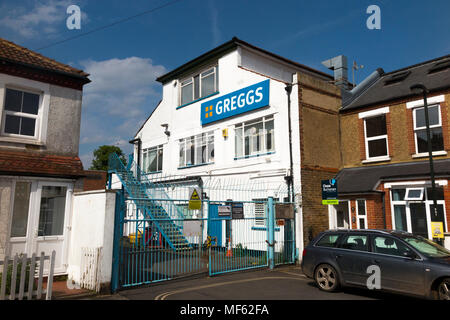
[{"x": 243, "y": 100}]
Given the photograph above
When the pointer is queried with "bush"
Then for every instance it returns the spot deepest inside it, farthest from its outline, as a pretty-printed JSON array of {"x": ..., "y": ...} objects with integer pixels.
[{"x": 19, "y": 271}]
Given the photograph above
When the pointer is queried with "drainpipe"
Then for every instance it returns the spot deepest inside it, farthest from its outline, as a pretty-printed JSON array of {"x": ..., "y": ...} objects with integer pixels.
[{"x": 290, "y": 179}]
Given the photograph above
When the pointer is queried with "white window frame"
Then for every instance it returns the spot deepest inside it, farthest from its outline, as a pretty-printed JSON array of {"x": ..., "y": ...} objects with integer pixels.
[
  {"x": 406, "y": 203},
  {"x": 159, "y": 148},
  {"x": 415, "y": 128},
  {"x": 408, "y": 198},
  {"x": 197, "y": 139},
  {"x": 37, "y": 117},
  {"x": 263, "y": 136},
  {"x": 190, "y": 80},
  {"x": 260, "y": 221},
  {"x": 358, "y": 216},
  {"x": 367, "y": 139}
]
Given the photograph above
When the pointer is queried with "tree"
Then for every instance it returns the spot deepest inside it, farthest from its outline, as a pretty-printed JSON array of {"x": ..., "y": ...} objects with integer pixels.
[{"x": 101, "y": 156}]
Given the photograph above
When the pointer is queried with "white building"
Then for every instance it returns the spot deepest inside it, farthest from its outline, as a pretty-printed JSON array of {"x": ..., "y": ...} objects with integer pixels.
[{"x": 224, "y": 115}]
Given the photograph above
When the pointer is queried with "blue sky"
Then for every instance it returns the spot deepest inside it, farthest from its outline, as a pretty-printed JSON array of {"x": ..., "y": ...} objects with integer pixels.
[{"x": 125, "y": 59}]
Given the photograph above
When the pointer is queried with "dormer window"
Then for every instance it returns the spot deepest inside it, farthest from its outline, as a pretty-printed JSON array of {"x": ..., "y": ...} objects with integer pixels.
[
  {"x": 20, "y": 114},
  {"x": 198, "y": 86}
]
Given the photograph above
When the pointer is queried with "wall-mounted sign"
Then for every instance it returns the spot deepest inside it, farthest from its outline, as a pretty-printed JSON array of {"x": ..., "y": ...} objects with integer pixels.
[
  {"x": 437, "y": 229},
  {"x": 224, "y": 211},
  {"x": 237, "y": 102},
  {"x": 284, "y": 211},
  {"x": 237, "y": 209},
  {"x": 195, "y": 202},
  {"x": 329, "y": 192}
]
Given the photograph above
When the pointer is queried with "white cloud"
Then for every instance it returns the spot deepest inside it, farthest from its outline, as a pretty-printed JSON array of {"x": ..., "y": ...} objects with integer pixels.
[{"x": 117, "y": 101}]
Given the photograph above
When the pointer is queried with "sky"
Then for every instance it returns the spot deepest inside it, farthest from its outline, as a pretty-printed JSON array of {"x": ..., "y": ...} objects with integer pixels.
[{"x": 126, "y": 45}]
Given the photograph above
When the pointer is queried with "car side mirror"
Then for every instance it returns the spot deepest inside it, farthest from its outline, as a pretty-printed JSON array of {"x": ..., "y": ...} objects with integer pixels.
[{"x": 409, "y": 254}]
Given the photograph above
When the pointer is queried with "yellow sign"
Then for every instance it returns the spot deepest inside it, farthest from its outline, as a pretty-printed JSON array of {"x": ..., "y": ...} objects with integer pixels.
[
  {"x": 195, "y": 203},
  {"x": 437, "y": 229},
  {"x": 330, "y": 201}
]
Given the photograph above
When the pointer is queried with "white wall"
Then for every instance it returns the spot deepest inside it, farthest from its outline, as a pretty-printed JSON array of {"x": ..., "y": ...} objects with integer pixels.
[{"x": 92, "y": 227}]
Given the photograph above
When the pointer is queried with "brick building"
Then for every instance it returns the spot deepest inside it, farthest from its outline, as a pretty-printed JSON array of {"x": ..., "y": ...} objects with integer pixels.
[{"x": 384, "y": 181}]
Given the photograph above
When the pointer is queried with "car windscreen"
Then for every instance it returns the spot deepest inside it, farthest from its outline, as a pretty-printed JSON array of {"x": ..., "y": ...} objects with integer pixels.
[{"x": 427, "y": 247}]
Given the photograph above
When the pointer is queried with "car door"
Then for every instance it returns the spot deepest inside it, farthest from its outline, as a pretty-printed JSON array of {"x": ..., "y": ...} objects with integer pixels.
[
  {"x": 398, "y": 272},
  {"x": 353, "y": 258}
]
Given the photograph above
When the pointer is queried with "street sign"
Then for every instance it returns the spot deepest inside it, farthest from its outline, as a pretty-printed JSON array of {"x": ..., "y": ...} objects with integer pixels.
[
  {"x": 329, "y": 192},
  {"x": 224, "y": 210},
  {"x": 195, "y": 202},
  {"x": 437, "y": 228}
]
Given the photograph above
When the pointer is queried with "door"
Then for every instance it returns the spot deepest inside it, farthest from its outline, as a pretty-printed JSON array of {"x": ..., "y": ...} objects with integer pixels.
[
  {"x": 419, "y": 225},
  {"x": 397, "y": 272},
  {"x": 215, "y": 224},
  {"x": 342, "y": 220},
  {"x": 40, "y": 220},
  {"x": 353, "y": 258}
]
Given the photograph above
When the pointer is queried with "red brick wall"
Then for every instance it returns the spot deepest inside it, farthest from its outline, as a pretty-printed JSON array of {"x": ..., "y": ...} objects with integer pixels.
[{"x": 95, "y": 180}]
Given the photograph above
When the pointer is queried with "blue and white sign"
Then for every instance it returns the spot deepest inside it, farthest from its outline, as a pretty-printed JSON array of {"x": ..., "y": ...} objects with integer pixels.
[{"x": 243, "y": 100}]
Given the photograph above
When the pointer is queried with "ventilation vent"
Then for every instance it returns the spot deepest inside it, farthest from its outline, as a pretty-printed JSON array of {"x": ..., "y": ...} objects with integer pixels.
[
  {"x": 440, "y": 66},
  {"x": 398, "y": 77}
]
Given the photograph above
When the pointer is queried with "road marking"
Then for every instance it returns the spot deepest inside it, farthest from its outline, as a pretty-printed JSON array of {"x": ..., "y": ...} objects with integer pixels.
[
  {"x": 164, "y": 295},
  {"x": 295, "y": 274}
]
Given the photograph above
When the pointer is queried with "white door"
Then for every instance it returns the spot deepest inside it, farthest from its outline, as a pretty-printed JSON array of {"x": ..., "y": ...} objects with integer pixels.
[{"x": 40, "y": 219}]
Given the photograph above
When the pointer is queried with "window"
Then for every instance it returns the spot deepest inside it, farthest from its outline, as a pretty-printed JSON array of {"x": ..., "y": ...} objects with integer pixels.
[
  {"x": 254, "y": 137},
  {"x": 20, "y": 209},
  {"x": 376, "y": 138},
  {"x": 420, "y": 131},
  {"x": 414, "y": 194},
  {"x": 427, "y": 247},
  {"x": 21, "y": 113},
  {"x": 260, "y": 212},
  {"x": 390, "y": 246},
  {"x": 328, "y": 240},
  {"x": 153, "y": 159},
  {"x": 361, "y": 214},
  {"x": 197, "y": 149},
  {"x": 356, "y": 242},
  {"x": 199, "y": 86},
  {"x": 52, "y": 211}
]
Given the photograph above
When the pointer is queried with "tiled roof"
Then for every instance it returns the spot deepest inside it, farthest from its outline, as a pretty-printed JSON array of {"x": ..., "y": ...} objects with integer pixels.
[
  {"x": 31, "y": 163},
  {"x": 434, "y": 74},
  {"x": 15, "y": 53}
]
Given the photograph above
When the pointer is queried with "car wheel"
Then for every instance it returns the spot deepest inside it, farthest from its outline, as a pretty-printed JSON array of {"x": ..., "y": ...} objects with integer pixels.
[
  {"x": 326, "y": 278},
  {"x": 443, "y": 289}
]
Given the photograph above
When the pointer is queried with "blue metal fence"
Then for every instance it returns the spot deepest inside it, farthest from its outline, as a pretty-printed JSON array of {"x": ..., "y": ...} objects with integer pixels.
[{"x": 157, "y": 237}]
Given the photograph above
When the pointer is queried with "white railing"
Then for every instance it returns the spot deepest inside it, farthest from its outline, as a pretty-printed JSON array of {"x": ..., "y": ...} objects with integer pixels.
[{"x": 20, "y": 276}]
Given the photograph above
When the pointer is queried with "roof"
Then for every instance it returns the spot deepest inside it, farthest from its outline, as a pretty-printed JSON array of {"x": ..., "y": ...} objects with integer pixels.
[
  {"x": 11, "y": 52},
  {"x": 433, "y": 74},
  {"x": 36, "y": 164},
  {"x": 365, "y": 179},
  {"x": 227, "y": 47}
]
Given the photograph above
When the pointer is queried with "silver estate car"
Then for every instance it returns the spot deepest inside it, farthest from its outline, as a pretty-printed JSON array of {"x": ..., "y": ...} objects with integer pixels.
[{"x": 403, "y": 262}]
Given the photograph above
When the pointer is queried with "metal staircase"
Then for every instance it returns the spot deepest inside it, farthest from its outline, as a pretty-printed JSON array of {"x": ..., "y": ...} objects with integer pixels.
[{"x": 162, "y": 212}]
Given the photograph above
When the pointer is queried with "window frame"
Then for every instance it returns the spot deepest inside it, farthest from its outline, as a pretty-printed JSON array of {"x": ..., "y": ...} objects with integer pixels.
[
  {"x": 359, "y": 216},
  {"x": 263, "y": 150},
  {"x": 208, "y": 140},
  {"x": 37, "y": 117},
  {"x": 146, "y": 151},
  {"x": 421, "y": 198},
  {"x": 200, "y": 75},
  {"x": 260, "y": 221},
  {"x": 424, "y": 128},
  {"x": 379, "y": 137}
]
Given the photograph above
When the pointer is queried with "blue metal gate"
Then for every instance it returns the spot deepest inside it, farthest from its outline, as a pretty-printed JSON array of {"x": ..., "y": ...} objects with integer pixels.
[{"x": 157, "y": 237}]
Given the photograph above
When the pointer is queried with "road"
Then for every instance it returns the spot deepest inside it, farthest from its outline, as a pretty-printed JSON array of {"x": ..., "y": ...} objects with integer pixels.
[{"x": 282, "y": 283}]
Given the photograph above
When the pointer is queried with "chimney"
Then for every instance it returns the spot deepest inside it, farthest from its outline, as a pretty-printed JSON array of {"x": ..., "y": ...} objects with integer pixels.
[{"x": 339, "y": 66}]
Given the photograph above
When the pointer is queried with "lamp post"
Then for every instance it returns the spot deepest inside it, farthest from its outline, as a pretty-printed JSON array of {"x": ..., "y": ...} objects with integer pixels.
[{"x": 420, "y": 88}]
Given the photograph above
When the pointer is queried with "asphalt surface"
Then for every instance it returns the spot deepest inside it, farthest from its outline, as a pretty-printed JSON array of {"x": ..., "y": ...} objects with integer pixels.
[{"x": 282, "y": 283}]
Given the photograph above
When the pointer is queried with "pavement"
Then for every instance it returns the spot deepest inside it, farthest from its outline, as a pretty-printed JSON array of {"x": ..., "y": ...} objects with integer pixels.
[{"x": 282, "y": 283}]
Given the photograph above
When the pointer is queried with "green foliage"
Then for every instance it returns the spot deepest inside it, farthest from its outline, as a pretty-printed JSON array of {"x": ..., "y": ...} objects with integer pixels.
[
  {"x": 18, "y": 273},
  {"x": 101, "y": 155}
]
